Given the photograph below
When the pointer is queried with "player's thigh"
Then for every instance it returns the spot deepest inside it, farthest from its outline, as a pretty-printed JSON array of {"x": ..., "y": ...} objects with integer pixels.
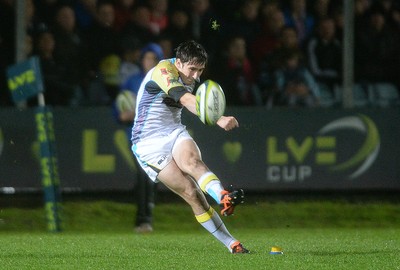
[
  {"x": 187, "y": 156},
  {"x": 183, "y": 185},
  {"x": 172, "y": 177}
]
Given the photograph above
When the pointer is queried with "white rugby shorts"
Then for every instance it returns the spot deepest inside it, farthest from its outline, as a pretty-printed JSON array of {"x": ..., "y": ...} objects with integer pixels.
[{"x": 155, "y": 153}]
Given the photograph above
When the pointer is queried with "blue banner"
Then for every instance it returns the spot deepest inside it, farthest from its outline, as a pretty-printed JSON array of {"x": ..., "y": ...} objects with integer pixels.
[{"x": 25, "y": 79}]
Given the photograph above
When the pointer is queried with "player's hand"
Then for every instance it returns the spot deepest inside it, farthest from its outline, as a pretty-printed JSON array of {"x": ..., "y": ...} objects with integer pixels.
[{"x": 228, "y": 122}]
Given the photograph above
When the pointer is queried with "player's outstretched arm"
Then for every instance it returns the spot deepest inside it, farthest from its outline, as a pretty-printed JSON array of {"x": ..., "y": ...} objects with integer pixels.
[
  {"x": 188, "y": 100},
  {"x": 228, "y": 122}
]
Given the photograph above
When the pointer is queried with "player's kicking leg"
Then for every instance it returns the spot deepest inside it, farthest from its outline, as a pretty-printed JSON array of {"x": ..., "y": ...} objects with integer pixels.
[
  {"x": 187, "y": 156},
  {"x": 227, "y": 200},
  {"x": 188, "y": 189}
]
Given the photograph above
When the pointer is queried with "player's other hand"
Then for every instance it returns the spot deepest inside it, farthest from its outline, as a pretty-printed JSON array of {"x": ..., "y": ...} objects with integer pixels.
[{"x": 228, "y": 122}]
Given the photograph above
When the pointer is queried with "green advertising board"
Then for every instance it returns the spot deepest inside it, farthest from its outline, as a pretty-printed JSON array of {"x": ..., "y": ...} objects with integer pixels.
[{"x": 272, "y": 150}]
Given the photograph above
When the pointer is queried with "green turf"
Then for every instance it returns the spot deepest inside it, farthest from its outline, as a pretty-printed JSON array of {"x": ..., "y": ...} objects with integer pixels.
[
  {"x": 303, "y": 249},
  {"x": 113, "y": 216},
  {"x": 99, "y": 235}
]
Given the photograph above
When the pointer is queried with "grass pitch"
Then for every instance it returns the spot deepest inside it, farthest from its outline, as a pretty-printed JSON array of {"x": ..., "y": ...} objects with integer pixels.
[
  {"x": 99, "y": 235},
  {"x": 303, "y": 249}
]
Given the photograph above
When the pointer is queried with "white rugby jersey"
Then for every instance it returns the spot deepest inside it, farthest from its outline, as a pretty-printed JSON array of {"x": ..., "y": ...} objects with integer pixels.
[{"x": 157, "y": 113}]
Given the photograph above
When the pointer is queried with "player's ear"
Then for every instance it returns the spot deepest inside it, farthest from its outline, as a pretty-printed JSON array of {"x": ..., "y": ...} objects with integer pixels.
[{"x": 179, "y": 63}]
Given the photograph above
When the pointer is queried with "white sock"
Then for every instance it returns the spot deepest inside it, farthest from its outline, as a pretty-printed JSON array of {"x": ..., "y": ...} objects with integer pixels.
[
  {"x": 211, "y": 185},
  {"x": 211, "y": 221}
]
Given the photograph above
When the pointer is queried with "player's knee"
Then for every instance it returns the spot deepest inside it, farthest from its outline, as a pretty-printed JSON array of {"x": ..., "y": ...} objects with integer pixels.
[
  {"x": 191, "y": 194},
  {"x": 192, "y": 164}
]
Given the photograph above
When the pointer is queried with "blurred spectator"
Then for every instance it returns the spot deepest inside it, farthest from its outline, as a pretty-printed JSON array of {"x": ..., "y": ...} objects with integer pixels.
[
  {"x": 166, "y": 44},
  {"x": 246, "y": 23},
  {"x": 209, "y": 22},
  {"x": 86, "y": 13},
  {"x": 130, "y": 58},
  {"x": 138, "y": 25},
  {"x": 391, "y": 10},
  {"x": 235, "y": 74},
  {"x": 179, "y": 27},
  {"x": 103, "y": 50},
  {"x": 297, "y": 16},
  {"x": 32, "y": 26},
  {"x": 294, "y": 84},
  {"x": 268, "y": 39},
  {"x": 33, "y": 22},
  {"x": 58, "y": 90},
  {"x": 123, "y": 10},
  {"x": 158, "y": 15},
  {"x": 268, "y": 8},
  {"x": 377, "y": 54},
  {"x": 288, "y": 41},
  {"x": 320, "y": 9},
  {"x": 324, "y": 54},
  {"x": 202, "y": 15},
  {"x": 150, "y": 55},
  {"x": 361, "y": 8},
  {"x": 69, "y": 49}
]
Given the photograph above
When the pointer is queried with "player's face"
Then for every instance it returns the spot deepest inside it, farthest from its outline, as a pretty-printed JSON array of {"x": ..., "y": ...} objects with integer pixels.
[{"x": 189, "y": 72}]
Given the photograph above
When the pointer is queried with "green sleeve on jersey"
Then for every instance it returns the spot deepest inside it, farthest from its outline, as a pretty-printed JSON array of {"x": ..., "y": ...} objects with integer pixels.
[{"x": 166, "y": 76}]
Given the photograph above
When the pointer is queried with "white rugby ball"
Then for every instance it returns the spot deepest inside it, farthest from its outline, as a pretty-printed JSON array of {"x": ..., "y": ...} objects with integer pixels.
[
  {"x": 125, "y": 101},
  {"x": 210, "y": 102}
]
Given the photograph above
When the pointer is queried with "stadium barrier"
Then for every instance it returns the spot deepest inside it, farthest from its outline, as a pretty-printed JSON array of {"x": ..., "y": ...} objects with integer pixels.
[{"x": 279, "y": 149}]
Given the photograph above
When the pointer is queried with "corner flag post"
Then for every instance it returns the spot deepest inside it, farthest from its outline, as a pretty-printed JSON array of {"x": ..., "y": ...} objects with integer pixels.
[
  {"x": 25, "y": 81},
  {"x": 49, "y": 167}
]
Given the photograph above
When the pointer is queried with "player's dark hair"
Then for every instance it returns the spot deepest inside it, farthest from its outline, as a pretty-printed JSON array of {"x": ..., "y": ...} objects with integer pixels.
[{"x": 191, "y": 52}]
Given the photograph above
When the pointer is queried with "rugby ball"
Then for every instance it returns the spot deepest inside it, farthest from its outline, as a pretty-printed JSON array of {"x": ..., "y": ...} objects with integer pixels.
[
  {"x": 125, "y": 101},
  {"x": 210, "y": 102}
]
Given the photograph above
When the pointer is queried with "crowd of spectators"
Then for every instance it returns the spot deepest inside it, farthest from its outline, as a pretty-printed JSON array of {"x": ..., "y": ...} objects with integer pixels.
[{"x": 262, "y": 52}]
